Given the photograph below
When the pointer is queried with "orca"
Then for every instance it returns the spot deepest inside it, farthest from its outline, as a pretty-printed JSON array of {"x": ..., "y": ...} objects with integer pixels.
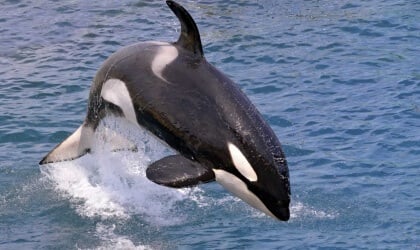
[{"x": 171, "y": 90}]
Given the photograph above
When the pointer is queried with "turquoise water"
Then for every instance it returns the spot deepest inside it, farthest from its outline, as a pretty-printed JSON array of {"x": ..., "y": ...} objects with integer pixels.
[{"x": 338, "y": 81}]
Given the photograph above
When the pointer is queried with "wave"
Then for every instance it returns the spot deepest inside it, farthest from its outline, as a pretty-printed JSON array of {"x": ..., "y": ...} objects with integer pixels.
[{"x": 113, "y": 185}]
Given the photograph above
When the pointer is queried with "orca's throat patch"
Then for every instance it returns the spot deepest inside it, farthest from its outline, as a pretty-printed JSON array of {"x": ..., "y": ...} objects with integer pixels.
[{"x": 237, "y": 187}]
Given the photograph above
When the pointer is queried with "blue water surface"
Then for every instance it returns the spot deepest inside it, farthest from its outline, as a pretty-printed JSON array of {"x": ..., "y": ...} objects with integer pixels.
[{"x": 338, "y": 81}]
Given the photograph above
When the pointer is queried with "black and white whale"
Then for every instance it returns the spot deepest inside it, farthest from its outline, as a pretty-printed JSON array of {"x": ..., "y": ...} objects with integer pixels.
[{"x": 171, "y": 90}]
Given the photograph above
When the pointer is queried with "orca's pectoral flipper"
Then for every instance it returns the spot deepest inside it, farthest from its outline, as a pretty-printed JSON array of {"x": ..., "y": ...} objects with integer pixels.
[
  {"x": 177, "y": 171},
  {"x": 189, "y": 38}
]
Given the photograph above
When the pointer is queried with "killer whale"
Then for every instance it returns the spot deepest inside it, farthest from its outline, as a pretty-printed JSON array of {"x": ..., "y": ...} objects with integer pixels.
[{"x": 173, "y": 92}]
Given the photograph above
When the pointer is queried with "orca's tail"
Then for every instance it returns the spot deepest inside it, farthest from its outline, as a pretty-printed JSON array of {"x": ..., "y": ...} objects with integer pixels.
[
  {"x": 75, "y": 146},
  {"x": 81, "y": 142}
]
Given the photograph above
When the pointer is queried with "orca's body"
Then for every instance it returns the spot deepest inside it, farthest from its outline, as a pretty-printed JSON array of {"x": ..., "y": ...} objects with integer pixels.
[{"x": 173, "y": 92}]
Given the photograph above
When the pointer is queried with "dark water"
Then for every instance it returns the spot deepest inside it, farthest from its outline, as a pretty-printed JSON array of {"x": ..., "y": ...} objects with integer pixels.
[{"x": 338, "y": 81}]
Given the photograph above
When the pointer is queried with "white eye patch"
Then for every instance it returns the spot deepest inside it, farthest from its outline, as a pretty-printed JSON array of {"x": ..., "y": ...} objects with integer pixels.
[{"x": 241, "y": 163}]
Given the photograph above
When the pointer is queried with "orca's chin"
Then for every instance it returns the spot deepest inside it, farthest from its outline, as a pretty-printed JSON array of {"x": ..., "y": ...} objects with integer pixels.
[{"x": 282, "y": 213}]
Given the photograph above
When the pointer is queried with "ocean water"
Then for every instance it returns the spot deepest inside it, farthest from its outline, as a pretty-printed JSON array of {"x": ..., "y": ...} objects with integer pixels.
[{"x": 338, "y": 81}]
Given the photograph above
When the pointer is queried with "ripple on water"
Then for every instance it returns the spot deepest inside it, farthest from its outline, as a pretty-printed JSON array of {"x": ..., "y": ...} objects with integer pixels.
[{"x": 337, "y": 81}]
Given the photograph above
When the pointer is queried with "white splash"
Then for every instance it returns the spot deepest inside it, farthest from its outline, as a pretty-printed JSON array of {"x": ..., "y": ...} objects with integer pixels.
[
  {"x": 113, "y": 241},
  {"x": 298, "y": 209},
  {"x": 113, "y": 184}
]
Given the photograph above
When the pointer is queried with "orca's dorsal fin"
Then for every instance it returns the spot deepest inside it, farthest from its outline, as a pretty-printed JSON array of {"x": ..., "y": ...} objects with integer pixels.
[{"x": 189, "y": 38}]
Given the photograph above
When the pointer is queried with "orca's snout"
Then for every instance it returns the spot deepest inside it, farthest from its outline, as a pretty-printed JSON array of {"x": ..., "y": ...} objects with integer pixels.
[
  {"x": 279, "y": 206},
  {"x": 282, "y": 213}
]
